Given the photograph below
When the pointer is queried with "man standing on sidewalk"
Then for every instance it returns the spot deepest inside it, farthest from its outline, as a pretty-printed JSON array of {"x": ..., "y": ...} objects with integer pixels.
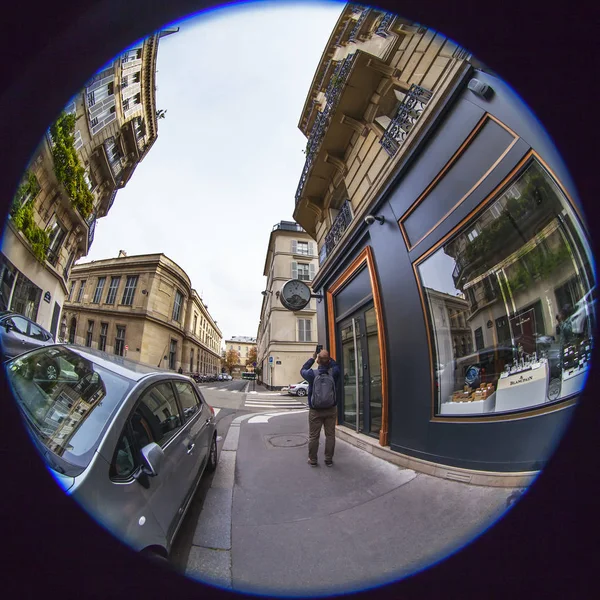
[{"x": 322, "y": 404}]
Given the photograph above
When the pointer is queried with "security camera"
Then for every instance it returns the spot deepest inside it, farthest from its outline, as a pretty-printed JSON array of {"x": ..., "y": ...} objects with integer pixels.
[{"x": 370, "y": 219}]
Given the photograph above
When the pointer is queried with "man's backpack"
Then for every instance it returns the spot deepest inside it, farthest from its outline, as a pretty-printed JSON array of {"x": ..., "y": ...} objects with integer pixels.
[{"x": 323, "y": 390}]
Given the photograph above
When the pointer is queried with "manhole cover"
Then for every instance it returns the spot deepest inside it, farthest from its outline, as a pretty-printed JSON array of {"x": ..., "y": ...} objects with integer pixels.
[{"x": 287, "y": 441}]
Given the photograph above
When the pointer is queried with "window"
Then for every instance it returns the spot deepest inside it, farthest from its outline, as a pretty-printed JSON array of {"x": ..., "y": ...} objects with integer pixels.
[
  {"x": 172, "y": 354},
  {"x": 156, "y": 418},
  {"x": 124, "y": 463},
  {"x": 303, "y": 271},
  {"x": 177, "y": 306},
  {"x": 191, "y": 360},
  {"x": 56, "y": 233},
  {"x": 304, "y": 330},
  {"x": 129, "y": 290},
  {"x": 71, "y": 291},
  {"x": 99, "y": 289},
  {"x": 137, "y": 77},
  {"x": 124, "y": 81},
  {"x": 68, "y": 266},
  {"x": 102, "y": 340},
  {"x": 195, "y": 323},
  {"x": 90, "y": 332},
  {"x": 126, "y": 104},
  {"x": 120, "y": 340},
  {"x": 302, "y": 248},
  {"x": 37, "y": 333},
  {"x": 532, "y": 343},
  {"x": 190, "y": 403},
  {"x": 81, "y": 288},
  {"x": 112, "y": 290}
]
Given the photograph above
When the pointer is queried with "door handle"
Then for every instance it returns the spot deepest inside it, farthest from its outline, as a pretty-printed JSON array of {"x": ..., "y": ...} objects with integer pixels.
[{"x": 191, "y": 448}]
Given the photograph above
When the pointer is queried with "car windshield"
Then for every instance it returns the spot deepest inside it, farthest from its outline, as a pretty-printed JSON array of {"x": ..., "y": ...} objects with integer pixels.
[{"x": 67, "y": 402}]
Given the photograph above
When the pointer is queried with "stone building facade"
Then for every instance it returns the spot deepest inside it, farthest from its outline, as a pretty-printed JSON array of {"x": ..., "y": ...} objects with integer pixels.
[
  {"x": 285, "y": 339},
  {"x": 142, "y": 307},
  {"x": 116, "y": 124}
]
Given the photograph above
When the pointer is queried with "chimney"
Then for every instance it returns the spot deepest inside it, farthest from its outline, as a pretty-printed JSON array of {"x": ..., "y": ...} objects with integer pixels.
[{"x": 122, "y": 253}]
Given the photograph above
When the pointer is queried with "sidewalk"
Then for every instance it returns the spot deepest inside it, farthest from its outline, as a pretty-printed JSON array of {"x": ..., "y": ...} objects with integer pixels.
[{"x": 271, "y": 524}]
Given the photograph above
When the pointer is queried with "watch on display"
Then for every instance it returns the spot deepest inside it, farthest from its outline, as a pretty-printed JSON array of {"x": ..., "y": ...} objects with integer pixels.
[{"x": 295, "y": 295}]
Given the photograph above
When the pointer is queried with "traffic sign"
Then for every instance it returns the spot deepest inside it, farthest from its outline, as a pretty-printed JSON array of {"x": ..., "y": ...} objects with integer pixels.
[
  {"x": 126, "y": 347},
  {"x": 254, "y": 364}
]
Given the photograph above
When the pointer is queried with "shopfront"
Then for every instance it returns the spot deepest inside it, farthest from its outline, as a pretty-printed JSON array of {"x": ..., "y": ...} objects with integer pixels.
[{"x": 464, "y": 324}]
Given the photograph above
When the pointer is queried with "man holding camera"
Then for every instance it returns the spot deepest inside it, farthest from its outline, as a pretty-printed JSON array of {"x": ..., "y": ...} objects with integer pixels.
[{"x": 322, "y": 403}]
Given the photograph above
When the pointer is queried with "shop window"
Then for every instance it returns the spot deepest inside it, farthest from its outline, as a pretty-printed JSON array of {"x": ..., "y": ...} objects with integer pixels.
[
  {"x": 102, "y": 338},
  {"x": 120, "y": 341},
  {"x": 525, "y": 283},
  {"x": 172, "y": 354}
]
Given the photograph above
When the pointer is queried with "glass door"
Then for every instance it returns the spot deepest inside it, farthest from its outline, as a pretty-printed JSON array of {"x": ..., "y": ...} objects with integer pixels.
[{"x": 361, "y": 372}]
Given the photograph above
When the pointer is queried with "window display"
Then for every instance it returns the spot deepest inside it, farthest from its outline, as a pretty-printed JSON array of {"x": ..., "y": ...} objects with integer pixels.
[{"x": 510, "y": 301}]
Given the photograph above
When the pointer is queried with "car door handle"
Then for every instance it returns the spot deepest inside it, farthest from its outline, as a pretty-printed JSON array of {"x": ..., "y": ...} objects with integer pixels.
[{"x": 191, "y": 448}]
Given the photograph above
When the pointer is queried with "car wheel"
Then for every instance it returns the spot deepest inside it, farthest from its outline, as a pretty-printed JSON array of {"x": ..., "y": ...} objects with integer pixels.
[
  {"x": 48, "y": 370},
  {"x": 213, "y": 456},
  {"x": 301, "y": 392},
  {"x": 157, "y": 558}
]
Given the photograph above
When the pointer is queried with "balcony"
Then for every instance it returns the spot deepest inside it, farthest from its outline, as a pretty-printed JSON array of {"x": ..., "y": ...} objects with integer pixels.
[
  {"x": 338, "y": 228},
  {"x": 92, "y": 228},
  {"x": 403, "y": 122},
  {"x": 288, "y": 226},
  {"x": 332, "y": 95},
  {"x": 383, "y": 30}
]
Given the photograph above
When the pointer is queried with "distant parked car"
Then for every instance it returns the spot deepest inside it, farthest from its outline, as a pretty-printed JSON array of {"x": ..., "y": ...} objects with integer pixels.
[
  {"x": 19, "y": 334},
  {"x": 127, "y": 441},
  {"x": 584, "y": 313},
  {"x": 298, "y": 389}
]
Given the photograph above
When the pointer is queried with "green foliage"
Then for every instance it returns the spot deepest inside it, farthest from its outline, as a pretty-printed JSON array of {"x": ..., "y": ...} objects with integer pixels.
[
  {"x": 21, "y": 213},
  {"x": 537, "y": 265},
  {"x": 67, "y": 168}
]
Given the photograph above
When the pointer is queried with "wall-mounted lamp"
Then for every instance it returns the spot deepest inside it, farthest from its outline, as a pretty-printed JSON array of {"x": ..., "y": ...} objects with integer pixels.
[
  {"x": 265, "y": 292},
  {"x": 483, "y": 90},
  {"x": 144, "y": 292},
  {"x": 370, "y": 219}
]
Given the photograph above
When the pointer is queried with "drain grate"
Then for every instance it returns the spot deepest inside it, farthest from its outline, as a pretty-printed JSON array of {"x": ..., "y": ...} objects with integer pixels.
[{"x": 462, "y": 477}]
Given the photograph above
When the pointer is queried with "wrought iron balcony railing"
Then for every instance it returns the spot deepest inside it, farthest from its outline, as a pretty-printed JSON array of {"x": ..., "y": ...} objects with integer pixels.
[
  {"x": 406, "y": 116},
  {"x": 332, "y": 95},
  {"x": 338, "y": 228},
  {"x": 383, "y": 29},
  {"x": 361, "y": 20},
  {"x": 288, "y": 226}
]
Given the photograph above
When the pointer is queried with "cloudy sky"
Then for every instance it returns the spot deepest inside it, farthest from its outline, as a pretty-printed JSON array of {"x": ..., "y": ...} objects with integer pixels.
[{"x": 228, "y": 157}]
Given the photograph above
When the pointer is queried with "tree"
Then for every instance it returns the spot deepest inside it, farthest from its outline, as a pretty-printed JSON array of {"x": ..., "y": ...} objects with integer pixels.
[
  {"x": 232, "y": 358},
  {"x": 252, "y": 357}
]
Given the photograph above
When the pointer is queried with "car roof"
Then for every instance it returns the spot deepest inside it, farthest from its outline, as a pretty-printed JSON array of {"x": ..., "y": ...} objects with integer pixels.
[{"x": 118, "y": 364}]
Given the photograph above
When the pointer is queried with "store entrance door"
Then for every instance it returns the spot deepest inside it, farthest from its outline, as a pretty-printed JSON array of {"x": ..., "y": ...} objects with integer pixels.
[{"x": 361, "y": 372}]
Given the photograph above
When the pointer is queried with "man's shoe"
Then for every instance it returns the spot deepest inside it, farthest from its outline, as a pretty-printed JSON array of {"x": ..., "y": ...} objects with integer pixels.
[
  {"x": 312, "y": 463},
  {"x": 329, "y": 463}
]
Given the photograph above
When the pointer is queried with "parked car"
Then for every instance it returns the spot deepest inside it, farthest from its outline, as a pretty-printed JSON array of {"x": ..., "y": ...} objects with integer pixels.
[
  {"x": 127, "y": 441},
  {"x": 582, "y": 318},
  {"x": 19, "y": 334},
  {"x": 298, "y": 389}
]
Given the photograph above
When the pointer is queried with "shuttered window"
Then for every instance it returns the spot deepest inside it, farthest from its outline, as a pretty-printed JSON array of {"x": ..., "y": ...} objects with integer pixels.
[{"x": 304, "y": 330}]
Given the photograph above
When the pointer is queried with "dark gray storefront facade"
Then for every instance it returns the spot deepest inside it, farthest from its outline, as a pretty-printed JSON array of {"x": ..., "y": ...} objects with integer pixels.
[{"x": 481, "y": 162}]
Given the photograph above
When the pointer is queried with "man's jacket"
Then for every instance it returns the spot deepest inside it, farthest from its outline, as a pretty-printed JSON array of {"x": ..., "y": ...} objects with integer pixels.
[{"x": 309, "y": 374}]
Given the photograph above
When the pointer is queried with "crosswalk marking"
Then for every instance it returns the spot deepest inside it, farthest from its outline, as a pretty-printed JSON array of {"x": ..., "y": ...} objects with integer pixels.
[{"x": 268, "y": 403}]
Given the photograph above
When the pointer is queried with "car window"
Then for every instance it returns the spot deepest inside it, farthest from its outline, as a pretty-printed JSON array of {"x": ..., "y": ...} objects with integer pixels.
[
  {"x": 190, "y": 403},
  {"x": 19, "y": 323},
  {"x": 37, "y": 333},
  {"x": 156, "y": 418},
  {"x": 125, "y": 462}
]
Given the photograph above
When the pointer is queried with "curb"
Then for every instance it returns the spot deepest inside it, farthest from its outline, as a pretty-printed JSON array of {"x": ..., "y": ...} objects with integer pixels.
[
  {"x": 210, "y": 555},
  {"x": 520, "y": 479}
]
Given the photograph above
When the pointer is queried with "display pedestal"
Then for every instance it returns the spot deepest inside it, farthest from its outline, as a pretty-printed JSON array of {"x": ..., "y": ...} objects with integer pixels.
[
  {"x": 522, "y": 390},
  {"x": 573, "y": 380},
  {"x": 476, "y": 407}
]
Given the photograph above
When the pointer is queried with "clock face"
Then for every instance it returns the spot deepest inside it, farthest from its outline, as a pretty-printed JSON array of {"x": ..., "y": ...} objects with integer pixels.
[{"x": 295, "y": 294}]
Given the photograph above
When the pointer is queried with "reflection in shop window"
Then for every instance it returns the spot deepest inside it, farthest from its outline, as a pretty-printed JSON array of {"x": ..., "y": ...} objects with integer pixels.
[{"x": 511, "y": 310}]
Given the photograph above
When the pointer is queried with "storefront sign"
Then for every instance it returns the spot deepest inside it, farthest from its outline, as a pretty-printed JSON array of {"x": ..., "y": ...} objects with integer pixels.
[{"x": 47, "y": 297}]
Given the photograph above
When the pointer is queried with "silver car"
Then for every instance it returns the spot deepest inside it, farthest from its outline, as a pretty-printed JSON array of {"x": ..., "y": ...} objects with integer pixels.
[
  {"x": 128, "y": 442},
  {"x": 19, "y": 334}
]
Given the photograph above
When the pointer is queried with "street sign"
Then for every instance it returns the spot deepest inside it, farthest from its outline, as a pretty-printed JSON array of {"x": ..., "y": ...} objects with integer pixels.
[{"x": 270, "y": 360}]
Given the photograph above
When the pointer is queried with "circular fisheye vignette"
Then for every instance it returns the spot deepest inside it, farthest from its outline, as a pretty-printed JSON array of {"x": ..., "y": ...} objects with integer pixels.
[{"x": 592, "y": 263}]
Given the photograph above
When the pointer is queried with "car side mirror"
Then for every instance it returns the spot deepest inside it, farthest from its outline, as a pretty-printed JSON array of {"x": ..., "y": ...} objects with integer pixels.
[
  {"x": 153, "y": 458},
  {"x": 9, "y": 326}
]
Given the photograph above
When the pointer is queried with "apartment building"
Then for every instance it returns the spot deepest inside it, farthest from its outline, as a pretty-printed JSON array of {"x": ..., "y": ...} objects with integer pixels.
[
  {"x": 452, "y": 251},
  {"x": 242, "y": 345},
  {"x": 142, "y": 307},
  {"x": 86, "y": 156},
  {"x": 285, "y": 339}
]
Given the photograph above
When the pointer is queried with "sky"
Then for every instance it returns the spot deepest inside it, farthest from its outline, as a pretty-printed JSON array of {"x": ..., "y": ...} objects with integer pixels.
[{"x": 228, "y": 157}]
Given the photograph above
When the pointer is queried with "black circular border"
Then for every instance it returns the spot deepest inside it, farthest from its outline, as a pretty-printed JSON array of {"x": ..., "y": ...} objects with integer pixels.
[
  {"x": 285, "y": 303},
  {"x": 547, "y": 545}
]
